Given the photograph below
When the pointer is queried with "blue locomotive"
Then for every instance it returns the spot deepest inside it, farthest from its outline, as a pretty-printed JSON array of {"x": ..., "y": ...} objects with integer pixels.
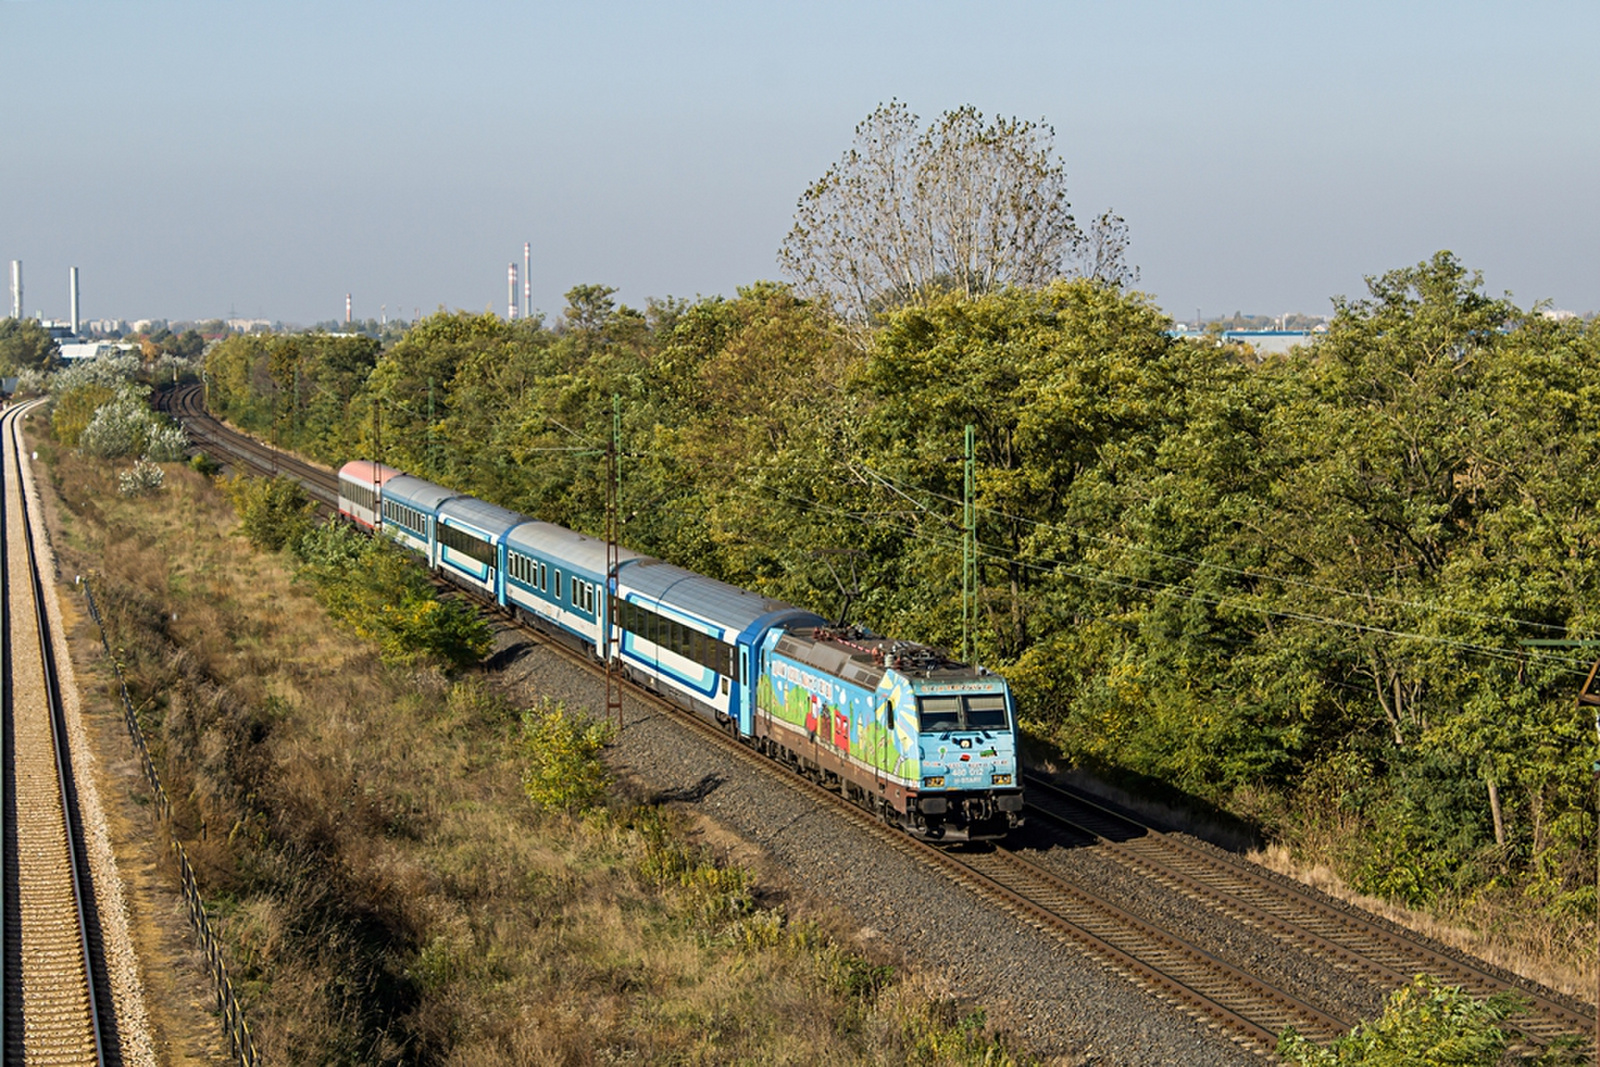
[{"x": 927, "y": 743}]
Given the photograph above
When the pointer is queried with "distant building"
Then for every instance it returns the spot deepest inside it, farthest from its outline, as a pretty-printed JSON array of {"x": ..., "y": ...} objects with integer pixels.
[{"x": 75, "y": 350}]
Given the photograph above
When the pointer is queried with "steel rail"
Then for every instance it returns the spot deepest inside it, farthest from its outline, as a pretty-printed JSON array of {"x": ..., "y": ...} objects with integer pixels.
[
  {"x": 1339, "y": 934},
  {"x": 75, "y": 856}
]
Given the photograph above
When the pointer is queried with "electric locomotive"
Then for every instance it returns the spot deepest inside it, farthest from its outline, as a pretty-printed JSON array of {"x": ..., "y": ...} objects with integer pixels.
[{"x": 928, "y": 743}]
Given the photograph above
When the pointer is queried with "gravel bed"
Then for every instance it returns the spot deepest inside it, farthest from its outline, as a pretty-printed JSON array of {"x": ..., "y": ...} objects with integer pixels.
[
  {"x": 1055, "y": 1001},
  {"x": 1347, "y": 994},
  {"x": 135, "y": 1047}
]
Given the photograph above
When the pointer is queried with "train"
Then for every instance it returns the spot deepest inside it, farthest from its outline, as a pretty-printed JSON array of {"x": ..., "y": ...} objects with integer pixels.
[{"x": 898, "y": 727}]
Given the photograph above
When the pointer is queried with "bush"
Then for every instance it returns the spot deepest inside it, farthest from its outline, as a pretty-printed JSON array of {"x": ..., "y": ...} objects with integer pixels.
[
  {"x": 564, "y": 771},
  {"x": 140, "y": 479},
  {"x": 119, "y": 427},
  {"x": 383, "y": 594},
  {"x": 1422, "y": 1023},
  {"x": 166, "y": 441},
  {"x": 274, "y": 513}
]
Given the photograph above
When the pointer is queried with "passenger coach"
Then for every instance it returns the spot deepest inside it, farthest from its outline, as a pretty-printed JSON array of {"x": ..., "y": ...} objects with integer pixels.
[{"x": 695, "y": 638}]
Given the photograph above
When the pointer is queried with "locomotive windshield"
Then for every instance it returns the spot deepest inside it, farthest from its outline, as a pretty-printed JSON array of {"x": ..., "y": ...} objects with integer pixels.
[{"x": 982, "y": 711}]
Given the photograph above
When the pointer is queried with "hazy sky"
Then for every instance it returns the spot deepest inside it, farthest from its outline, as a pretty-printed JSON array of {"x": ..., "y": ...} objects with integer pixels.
[{"x": 200, "y": 159}]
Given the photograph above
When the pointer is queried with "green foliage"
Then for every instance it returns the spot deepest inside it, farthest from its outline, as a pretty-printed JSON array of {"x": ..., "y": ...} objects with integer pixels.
[
  {"x": 564, "y": 771},
  {"x": 274, "y": 513},
  {"x": 302, "y": 390},
  {"x": 73, "y": 409},
  {"x": 1424, "y": 1024},
  {"x": 1243, "y": 578},
  {"x": 25, "y": 345},
  {"x": 384, "y": 594}
]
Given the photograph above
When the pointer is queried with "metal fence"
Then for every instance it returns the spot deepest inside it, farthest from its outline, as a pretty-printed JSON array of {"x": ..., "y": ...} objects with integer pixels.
[{"x": 244, "y": 1049}]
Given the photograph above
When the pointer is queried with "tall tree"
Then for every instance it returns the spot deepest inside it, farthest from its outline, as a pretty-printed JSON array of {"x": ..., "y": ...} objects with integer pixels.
[{"x": 966, "y": 207}]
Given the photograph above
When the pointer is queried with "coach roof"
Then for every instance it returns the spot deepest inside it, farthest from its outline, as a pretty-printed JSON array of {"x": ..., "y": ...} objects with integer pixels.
[
  {"x": 414, "y": 492},
  {"x": 549, "y": 541},
  {"x": 707, "y": 598},
  {"x": 489, "y": 518}
]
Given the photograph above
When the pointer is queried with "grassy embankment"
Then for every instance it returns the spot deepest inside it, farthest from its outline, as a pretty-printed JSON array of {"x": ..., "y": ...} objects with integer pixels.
[{"x": 390, "y": 894}]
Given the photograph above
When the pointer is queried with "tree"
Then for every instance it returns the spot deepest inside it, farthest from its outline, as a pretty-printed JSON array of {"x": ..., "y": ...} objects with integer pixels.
[
  {"x": 25, "y": 345},
  {"x": 966, "y": 207}
]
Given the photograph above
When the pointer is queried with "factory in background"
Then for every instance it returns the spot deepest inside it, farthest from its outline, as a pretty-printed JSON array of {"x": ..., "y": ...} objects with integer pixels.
[{"x": 66, "y": 334}]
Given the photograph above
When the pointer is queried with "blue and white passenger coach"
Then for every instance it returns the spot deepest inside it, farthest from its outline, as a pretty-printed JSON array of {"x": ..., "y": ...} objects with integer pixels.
[
  {"x": 410, "y": 507},
  {"x": 469, "y": 540},
  {"x": 696, "y": 639},
  {"x": 556, "y": 579}
]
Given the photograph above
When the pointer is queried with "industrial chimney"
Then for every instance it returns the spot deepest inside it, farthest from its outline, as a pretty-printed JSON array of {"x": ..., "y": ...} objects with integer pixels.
[
  {"x": 511, "y": 292},
  {"x": 72, "y": 276},
  {"x": 527, "y": 279},
  {"x": 16, "y": 289}
]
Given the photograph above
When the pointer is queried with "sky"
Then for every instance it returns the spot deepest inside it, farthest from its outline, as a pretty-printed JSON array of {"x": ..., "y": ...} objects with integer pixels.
[{"x": 236, "y": 158}]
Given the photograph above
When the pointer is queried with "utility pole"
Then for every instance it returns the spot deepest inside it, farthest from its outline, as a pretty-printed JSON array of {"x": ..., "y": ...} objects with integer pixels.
[
  {"x": 613, "y": 561},
  {"x": 433, "y": 460},
  {"x": 969, "y": 555}
]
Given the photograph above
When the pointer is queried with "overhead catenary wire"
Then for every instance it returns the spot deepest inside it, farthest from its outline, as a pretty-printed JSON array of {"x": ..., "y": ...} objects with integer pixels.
[
  {"x": 1564, "y": 663},
  {"x": 1245, "y": 572}
]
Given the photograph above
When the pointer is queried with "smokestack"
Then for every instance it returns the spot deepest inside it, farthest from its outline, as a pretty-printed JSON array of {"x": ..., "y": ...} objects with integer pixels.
[
  {"x": 347, "y": 309},
  {"x": 527, "y": 280},
  {"x": 72, "y": 275},
  {"x": 16, "y": 289},
  {"x": 511, "y": 293}
]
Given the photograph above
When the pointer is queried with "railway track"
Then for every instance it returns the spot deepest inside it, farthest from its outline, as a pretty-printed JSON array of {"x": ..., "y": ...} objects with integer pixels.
[
  {"x": 1342, "y": 937},
  {"x": 1224, "y": 994},
  {"x": 57, "y": 1006},
  {"x": 186, "y": 403}
]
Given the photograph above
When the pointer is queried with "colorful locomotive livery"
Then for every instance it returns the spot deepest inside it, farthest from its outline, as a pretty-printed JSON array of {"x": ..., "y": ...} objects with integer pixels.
[{"x": 925, "y": 742}]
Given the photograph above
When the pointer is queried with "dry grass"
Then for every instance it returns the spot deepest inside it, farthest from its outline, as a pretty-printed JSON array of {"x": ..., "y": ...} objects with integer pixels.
[
  {"x": 1505, "y": 932},
  {"x": 388, "y": 893}
]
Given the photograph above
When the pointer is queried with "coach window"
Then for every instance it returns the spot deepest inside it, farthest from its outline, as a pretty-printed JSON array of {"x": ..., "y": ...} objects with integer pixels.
[{"x": 558, "y": 586}]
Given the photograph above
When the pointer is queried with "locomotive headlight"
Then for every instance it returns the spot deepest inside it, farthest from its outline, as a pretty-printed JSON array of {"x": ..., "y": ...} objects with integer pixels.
[
  {"x": 936, "y": 782},
  {"x": 1001, "y": 779}
]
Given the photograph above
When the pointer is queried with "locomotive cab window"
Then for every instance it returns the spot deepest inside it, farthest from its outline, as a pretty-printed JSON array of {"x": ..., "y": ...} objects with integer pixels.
[
  {"x": 939, "y": 713},
  {"x": 986, "y": 712},
  {"x": 980, "y": 711}
]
